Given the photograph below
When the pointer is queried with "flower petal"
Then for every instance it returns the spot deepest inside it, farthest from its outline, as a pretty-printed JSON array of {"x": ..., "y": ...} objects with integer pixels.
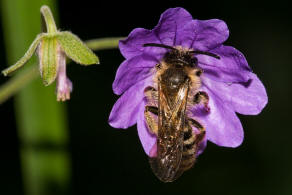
[
  {"x": 186, "y": 35},
  {"x": 169, "y": 25},
  {"x": 231, "y": 67},
  {"x": 170, "y": 22},
  {"x": 125, "y": 111},
  {"x": 222, "y": 125},
  {"x": 245, "y": 98},
  {"x": 209, "y": 34},
  {"x": 147, "y": 139},
  {"x": 202, "y": 146},
  {"x": 133, "y": 44},
  {"x": 132, "y": 71}
]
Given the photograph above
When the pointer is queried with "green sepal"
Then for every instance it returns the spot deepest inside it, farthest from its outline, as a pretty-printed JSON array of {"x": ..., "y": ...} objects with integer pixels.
[
  {"x": 49, "y": 53},
  {"x": 76, "y": 49},
  {"x": 26, "y": 56}
]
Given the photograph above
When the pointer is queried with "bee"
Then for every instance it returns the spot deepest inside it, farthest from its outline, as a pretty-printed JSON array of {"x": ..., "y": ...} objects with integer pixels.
[{"x": 167, "y": 112}]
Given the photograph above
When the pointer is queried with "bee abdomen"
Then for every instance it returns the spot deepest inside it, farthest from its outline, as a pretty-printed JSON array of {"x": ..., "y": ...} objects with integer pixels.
[{"x": 189, "y": 150}]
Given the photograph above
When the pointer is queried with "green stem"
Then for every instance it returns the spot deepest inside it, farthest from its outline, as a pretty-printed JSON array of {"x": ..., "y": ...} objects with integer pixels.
[
  {"x": 104, "y": 43},
  {"x": 19, "y": 81},
  {"x": 49, "y": 20},
  {"x": 16, "y": 83}
]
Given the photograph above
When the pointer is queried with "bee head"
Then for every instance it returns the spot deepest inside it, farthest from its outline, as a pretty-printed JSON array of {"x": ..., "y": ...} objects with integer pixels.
[{"x": 178, "y": 57}]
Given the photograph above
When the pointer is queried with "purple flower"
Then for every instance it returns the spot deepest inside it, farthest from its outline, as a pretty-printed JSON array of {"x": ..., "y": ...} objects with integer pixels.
[
  {"x": 64, "y": 85},
  {"x": 230, "y": 83}
]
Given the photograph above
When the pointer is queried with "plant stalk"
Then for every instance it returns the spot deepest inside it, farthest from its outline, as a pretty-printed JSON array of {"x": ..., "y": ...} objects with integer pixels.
[{"x": 41, "y": 120}]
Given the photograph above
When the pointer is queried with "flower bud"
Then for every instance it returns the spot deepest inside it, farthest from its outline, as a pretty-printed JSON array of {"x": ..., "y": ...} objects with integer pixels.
[
  {"x": 64, "y": 85},
  {"x": 52, "y": 48}
]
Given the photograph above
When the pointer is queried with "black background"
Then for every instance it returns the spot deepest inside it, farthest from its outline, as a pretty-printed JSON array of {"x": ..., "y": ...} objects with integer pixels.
[{"x": 108, "y": 161}]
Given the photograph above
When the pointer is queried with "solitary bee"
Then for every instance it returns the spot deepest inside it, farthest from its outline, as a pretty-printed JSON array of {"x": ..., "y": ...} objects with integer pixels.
[{"x": 167, "y": 113}]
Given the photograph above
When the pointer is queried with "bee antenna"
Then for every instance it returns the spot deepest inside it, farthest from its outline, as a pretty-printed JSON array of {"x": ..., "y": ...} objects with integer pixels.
[
  {"x": 206, "y": 53},
  {"x": 159, "y": 45}
]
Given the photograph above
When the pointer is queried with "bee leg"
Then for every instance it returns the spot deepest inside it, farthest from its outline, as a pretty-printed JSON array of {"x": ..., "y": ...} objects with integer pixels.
[
  {"x": 201, "y": 135},
  {"x": 151, "y": 95},
  {"x": 152, "y": 124},
  {"x": 203, "y": 97},
  {"x": 151, "y": 111}
]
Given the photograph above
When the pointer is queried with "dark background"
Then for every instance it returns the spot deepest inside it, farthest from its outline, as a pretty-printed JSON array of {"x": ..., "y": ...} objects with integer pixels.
[{"x": 108, "y": 161}]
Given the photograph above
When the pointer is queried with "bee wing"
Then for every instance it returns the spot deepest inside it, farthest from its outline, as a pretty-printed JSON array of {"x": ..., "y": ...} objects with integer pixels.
[
  {"x": 171, "y": 110},
  {"x": 171, "y": 121}
]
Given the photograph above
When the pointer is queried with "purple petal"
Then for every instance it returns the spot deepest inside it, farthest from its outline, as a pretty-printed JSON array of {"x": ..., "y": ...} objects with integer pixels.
[
  {"x": 147, "y": 139},
  {"x": 186, "y": 35},
  {"x": 64, "y": 85},
  {"x": 222, "y": 125},
  {"x": 231, "y": 67},
  {"x": 245, "y": 98},
  {"x": 125, "y": 111},
  {"x": 169, "y": 25},
  {"x": 132, "y": 71},
  {"x": 209, "y": 34},
  {"x": 202, "y": 146},
  {"x": 133, "y": 44}
]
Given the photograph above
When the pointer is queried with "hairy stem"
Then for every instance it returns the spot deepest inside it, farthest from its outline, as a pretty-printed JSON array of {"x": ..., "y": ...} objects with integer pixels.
[
  {"x": 103, "y": 43},
  {"x": 48, "y": 19}
]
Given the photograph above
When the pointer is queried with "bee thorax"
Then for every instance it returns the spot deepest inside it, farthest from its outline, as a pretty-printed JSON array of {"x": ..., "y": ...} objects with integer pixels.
[{"x": 173, "y": 78}]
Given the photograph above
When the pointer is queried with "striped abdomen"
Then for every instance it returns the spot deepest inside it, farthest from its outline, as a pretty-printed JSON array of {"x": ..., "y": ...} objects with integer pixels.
[{"x": 190, "y": 147}]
